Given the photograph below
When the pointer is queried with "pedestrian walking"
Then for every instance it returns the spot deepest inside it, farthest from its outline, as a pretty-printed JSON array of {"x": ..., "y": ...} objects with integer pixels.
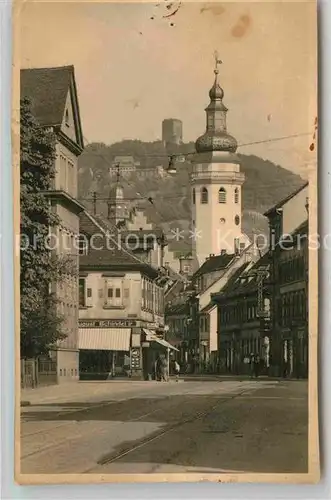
[
  {"x": 176, "y": 370},
  {"x": 163, "y": 365}
]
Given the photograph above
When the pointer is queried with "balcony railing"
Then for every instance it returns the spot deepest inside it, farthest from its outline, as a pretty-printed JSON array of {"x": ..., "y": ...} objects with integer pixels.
[{"x": 236, "y": 177}]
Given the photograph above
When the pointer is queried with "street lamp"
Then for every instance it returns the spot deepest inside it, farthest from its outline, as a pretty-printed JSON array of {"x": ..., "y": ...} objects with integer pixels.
[{"x": 171, "y": 169}]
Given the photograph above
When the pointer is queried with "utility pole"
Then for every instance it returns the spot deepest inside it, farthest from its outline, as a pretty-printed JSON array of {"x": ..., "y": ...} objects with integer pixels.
[
  {"x": 94, "y": 198},
  {"x": 262, "y": 275}
]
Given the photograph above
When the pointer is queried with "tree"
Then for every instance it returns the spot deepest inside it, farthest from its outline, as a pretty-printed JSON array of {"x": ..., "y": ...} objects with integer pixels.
[{"x": 41, "y": 325}]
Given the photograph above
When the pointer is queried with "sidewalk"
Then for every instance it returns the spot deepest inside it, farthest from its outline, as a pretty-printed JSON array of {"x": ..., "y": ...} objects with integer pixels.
[
  {"x": 78, "y": 391},
  {"x": 84, "y": 391},
  {"x": 208, "y": 376}
]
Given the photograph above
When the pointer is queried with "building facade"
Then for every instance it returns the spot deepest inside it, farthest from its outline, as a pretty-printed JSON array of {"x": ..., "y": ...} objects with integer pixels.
[
  {"x": 121, "y": 306},
  {"x": 216, "y": 183},
  {"x": 243, "y": 317},
  {"x": 289, "y": 283},
  {"x": 54, "y": 101},
  {"x": 126, "y": 165}
]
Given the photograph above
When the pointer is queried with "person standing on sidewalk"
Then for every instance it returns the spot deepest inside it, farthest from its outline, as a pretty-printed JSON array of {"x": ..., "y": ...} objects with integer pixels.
[{"x": 257, "y": 365}]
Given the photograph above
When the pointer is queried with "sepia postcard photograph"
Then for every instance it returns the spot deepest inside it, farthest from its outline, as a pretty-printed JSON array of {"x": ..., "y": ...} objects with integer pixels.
[{"x": 165, "y": 181}]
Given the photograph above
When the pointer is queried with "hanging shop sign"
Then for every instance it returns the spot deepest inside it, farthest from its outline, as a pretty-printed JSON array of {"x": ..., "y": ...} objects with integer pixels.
[{"x": 135, "y": 358}]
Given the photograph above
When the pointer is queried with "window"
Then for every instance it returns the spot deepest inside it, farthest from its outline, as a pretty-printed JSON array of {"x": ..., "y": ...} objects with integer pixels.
[
  {"x": 67, "y": 118},
  {"x": 70, "y": 178},
  {"x": 236, "y": 195},
  {"x": 221, "y": 195},
  {"x": 82, "y": 291},
  {"x": 114, "y": 295},
  {"x": 67, "y": 175},
  {"x": 89, "y": 293},
  {"x": 82, "y": 245},
  {"x": 204, "y": 195},
  {"x": 222, "y": 220},
  {"x": 143, "y": 294},
  {"x": 193, "y": 196},
  {"x": 237, "y": 220}
]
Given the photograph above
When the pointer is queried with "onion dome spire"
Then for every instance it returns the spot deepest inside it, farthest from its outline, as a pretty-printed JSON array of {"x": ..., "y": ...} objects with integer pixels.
[{"x": 216, "y": 137}]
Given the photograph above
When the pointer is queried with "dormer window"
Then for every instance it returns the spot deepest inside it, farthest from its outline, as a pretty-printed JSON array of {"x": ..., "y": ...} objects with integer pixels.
[
  {"x": 222, "y": 195},
  {"x": 204, "y": 195},
  {"x": 67, "y": 118},
  {"x": 82, "y": 245}
]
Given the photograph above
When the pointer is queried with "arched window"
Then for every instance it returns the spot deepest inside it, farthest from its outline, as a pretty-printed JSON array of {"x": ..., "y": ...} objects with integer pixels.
[
  {"x": 221, "y": 195},
  {"x": 193, "y": 196},
  {"x": 237, "y": 220},
  {"x": 204, "y": 195},
  {"x": 236, "y": 195}
]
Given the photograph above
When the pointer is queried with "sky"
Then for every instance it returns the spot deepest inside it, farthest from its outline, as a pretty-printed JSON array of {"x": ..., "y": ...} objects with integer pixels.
[{"x": 134, "y": 68}]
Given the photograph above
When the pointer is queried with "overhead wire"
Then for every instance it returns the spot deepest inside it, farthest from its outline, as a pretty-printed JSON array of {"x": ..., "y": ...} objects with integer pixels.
[{"x": 171, "y": 159}]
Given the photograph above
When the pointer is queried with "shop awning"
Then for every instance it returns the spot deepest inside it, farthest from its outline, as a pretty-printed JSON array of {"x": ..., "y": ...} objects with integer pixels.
[
  {"x": 104, "y": 339},
  {"x": 151, "y": 337}
]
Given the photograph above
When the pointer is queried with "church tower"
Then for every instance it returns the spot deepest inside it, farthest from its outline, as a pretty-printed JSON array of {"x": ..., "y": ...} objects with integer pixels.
[
  {"x": 216, "y": 184},
  {"x": 118, "y": 211}
]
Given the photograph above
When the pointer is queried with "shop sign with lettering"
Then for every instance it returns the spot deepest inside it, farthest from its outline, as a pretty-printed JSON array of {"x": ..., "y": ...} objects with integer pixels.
[{"x": 107, "y": 323}]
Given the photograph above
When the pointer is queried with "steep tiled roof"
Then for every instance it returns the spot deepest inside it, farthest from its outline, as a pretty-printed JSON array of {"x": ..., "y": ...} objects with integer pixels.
[
  {"x": 288, "y": 241},
  {"x": 285, "y": 200},
  {"x": 108, "y": 253},
  {"x": 47, "y": 88},
  {"x": 176, "y": 309},
  {"x": 214, "y": 263},
  {"x": 143, "y": 233},
  {"x": 301, "y": 229},
  {"x": 244, "y": 280}
]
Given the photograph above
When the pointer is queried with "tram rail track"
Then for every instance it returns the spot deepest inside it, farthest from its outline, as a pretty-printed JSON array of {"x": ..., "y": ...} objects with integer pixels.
[{"x": 114, "y": 457}]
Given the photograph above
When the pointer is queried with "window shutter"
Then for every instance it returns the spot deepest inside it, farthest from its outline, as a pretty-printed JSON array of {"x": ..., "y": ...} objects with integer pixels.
[{"x": 108, "y": 285}]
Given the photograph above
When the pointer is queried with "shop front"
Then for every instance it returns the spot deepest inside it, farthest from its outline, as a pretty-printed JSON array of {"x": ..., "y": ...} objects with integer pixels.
[
  {"x": 104, "y": 349},
  {"x": 154, "y": 347},
  {"x": 119, "y": 348}
]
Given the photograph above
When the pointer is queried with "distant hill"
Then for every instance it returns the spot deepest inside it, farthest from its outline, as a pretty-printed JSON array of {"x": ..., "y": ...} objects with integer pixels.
[{"x": 265, "y": 184}]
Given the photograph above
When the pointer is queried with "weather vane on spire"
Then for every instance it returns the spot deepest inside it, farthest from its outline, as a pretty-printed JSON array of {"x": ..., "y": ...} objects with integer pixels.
[{"x": 217, "y": 61}]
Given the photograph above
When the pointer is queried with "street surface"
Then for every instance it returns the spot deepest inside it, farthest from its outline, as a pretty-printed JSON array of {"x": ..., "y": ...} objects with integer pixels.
[{"x": 144, "y": 427}]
